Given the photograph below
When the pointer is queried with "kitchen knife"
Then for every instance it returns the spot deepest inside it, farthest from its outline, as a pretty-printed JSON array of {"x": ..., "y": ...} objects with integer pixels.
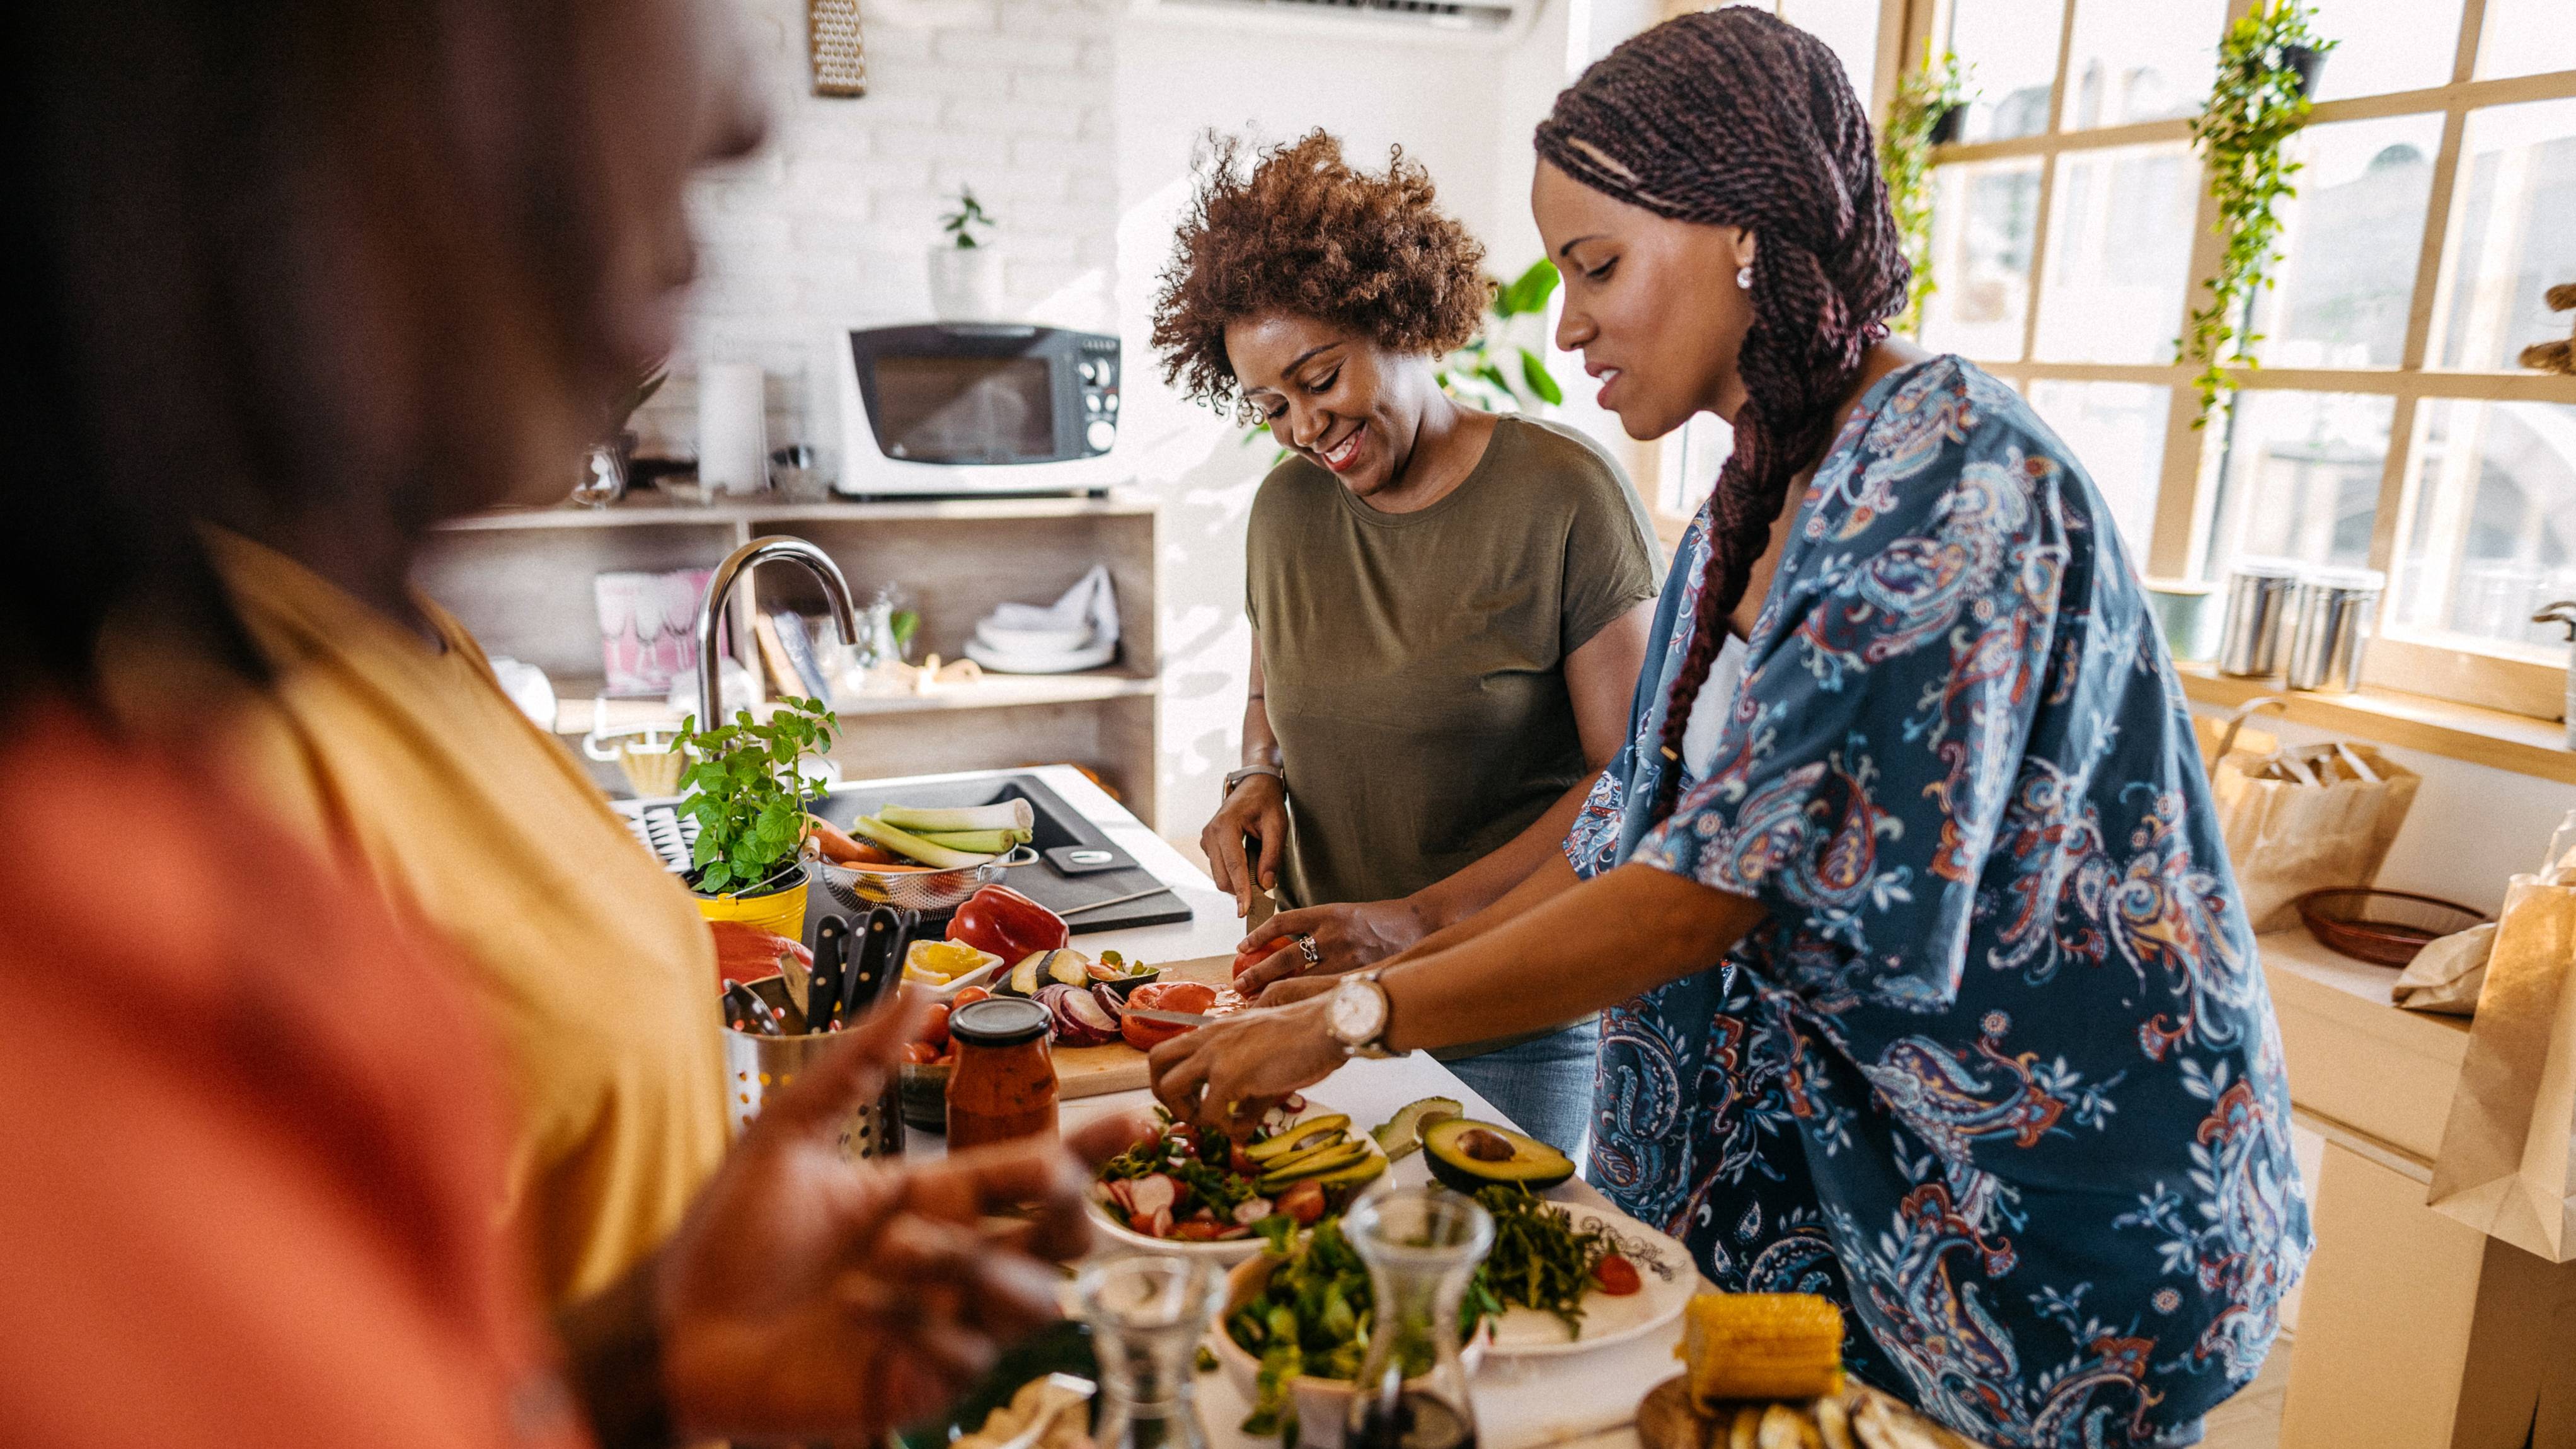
[
  {"x": 823, "y": 990},
  {"x": 877, "y": 961},
  {"x": 1170, "y": 1018}
]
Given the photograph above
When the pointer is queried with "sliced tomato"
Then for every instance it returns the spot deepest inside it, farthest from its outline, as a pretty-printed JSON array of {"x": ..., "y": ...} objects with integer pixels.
[
  {"x": 1617, "y": 1276},
  {"x": 1304, "y": 1202},
  {"x": 1199, "y": 1230}
]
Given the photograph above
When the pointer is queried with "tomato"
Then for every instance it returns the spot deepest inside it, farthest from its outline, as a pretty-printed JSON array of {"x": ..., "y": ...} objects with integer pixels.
[
  {"x": 1198, "y": 1230},
  {"x": 1303, "y": 1201},
  {"x": 920, "y": 1053},
  {"x": 1239, "y": 1162},
  {"x": 1144, "y": 1036},
  {"x": 1617, "y": 1276},
  {"x": 969, "y": 997},
  {"x": 1173, "y": 996},
  {"x": 1245, "y": 960},
  {"x": 934, "y": 1028}
]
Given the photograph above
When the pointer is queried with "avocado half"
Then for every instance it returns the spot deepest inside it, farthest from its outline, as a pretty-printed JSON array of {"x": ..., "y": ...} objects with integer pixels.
[{"x": 1467, "y": 1155}]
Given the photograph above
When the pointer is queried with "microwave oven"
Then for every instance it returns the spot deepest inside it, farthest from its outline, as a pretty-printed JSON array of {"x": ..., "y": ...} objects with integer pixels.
[{"x": 976, "y": 407}]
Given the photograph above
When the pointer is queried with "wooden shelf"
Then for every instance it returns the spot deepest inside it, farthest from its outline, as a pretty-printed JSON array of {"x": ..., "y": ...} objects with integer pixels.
[
  {"x": 2489, "y": 737},
  {"x": 655, "y": 510},
  {"x": 575, "y": 715}
]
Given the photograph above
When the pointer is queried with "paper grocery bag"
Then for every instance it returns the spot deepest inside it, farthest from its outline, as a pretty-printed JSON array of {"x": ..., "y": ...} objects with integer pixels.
[
  {"x": 2504, "y": 1167},
  {"x": 2287, "y": 837}
]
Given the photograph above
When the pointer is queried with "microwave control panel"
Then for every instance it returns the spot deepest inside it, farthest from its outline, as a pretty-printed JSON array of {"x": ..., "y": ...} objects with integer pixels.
[{"x": 1096, "y": 374}]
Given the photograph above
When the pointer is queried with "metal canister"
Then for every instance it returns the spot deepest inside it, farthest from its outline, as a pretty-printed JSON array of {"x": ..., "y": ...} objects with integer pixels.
[
  {"x": 2330, "y": 625},
  {"x": 2258, "y": 602},
  {"x": 756, "y": 1065}
]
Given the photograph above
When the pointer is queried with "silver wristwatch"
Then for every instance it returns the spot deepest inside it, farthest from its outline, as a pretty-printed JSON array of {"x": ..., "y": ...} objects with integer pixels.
[
  {"x": 1355, "y": 1015},
  {"x": 1237, "y": 777}
]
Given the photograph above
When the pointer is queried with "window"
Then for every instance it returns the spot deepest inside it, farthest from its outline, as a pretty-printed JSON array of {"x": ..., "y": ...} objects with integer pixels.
[{"x": 2390, "y": 424}]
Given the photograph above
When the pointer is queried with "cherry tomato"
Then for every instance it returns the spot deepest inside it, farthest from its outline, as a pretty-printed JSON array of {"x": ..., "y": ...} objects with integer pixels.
[
  {"x": 969, "y": 997},
  {"x": 920, "y": 1053},
  {"x": 934, "y": 1028},
  {"x": 1617, "y": 1276},
  {"x": 1239, "y": 1162},
  {"x": 1198, "y": 1230}
]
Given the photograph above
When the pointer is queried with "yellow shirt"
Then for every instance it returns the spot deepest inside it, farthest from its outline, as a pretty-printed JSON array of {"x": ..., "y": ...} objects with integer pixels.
[{"x": 590, "y": 961}]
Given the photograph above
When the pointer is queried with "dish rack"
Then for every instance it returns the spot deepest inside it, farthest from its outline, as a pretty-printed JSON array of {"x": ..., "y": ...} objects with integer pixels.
[{"x": 670, "y": 835}]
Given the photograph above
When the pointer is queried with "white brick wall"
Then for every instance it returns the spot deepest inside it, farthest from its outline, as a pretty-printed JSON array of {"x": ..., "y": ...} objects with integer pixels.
[{"x": 827, "y": 226}]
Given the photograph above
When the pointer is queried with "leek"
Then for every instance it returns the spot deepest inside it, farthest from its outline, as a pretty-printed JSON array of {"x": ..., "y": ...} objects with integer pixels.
[
  {"x": 1013, "y": 814},
  {"x": 989, "y": 842},
  {"x": 913, "y": 847}
]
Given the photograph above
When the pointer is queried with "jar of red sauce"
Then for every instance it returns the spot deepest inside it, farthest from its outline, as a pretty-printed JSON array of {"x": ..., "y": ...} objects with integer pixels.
[{"x": 1003, "y": 1085}]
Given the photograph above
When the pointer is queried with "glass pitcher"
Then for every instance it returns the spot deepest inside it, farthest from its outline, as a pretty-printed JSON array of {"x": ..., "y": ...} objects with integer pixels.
[
  {"x": 1421, "y": 1245},
  {"x": 1147, "y": 1315}
]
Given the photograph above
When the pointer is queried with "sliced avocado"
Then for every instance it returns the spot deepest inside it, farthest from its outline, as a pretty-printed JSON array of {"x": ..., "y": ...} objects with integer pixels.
[
  {"x": 1400, "y": 1135},
  {"x": 1468, "y": 1155},
  {"x": 1363, "y": 1170},
  {"x": 1322, "y": 1144},
  {"x": 1318, "y": 1166},
  {"x": 1296, "y": 1132}
]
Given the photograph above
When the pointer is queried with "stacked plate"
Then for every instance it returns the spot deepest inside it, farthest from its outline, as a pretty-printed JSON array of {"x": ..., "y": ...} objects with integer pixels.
[{"x": 1078, "y": 631}]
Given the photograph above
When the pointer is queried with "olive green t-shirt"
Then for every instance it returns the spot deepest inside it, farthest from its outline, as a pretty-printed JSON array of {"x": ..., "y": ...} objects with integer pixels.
[{"x": 1416, "y": 661}]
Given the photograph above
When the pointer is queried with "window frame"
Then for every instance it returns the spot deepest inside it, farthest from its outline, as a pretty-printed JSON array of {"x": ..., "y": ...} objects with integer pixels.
[{"x": 2504, "y": 677}]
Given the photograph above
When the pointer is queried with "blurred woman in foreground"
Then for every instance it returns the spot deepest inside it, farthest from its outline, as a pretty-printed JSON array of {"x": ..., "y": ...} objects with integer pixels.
[{"x": 310, "y": 251}]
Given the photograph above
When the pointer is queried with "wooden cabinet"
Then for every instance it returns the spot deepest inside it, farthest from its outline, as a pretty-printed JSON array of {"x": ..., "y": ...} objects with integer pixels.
[{"x": 521, "y": 580}]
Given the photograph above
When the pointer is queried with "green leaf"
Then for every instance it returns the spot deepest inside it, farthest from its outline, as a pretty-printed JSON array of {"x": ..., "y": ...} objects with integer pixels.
[
  {"x": 1529, "y": 292},
  {"x": 1535, "y": 373}
]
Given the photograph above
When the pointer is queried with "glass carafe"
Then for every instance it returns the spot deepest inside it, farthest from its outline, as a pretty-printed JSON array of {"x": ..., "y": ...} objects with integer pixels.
[
  {"x": 1421, "y": 1245},
  {"x": 1147, "y": 1316}
]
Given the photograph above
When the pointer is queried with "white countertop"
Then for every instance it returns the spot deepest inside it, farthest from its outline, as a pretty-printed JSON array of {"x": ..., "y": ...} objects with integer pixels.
[{"x": 1590, "y": 1398}]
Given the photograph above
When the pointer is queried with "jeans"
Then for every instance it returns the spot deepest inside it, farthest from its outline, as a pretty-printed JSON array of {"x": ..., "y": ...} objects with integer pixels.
[{"x": 1544, "y": 1085}]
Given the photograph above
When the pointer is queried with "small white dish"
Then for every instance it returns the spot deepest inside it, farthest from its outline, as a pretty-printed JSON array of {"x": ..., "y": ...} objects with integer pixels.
[
  {"x": 980, "y": 976},
  {"x": 1065, "y": 662},
  {"x": 1003, "y": 639},
  {"x": 1667, "y": 1281}
]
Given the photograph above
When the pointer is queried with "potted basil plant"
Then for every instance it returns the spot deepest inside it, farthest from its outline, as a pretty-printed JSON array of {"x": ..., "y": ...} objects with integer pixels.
[{"x": 743, "y": 788}]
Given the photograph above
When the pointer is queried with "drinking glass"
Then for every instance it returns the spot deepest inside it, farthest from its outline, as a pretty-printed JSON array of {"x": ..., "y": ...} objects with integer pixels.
[{"x": 1421, "y": 1245}]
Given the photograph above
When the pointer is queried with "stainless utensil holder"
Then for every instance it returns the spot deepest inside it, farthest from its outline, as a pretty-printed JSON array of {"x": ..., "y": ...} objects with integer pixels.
[
  {"x": 2258, "y": 603},
  {"x": 2330, "y": 622},
  {"x": 756, "y": 1065}
]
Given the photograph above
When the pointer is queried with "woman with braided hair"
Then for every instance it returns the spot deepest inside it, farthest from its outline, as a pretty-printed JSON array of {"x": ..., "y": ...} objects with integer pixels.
[{"x": 1927, "y": 983}]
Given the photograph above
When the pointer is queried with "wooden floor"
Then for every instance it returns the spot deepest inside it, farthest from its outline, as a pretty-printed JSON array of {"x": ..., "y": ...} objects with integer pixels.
[{"x": 2252, "y": 1420}]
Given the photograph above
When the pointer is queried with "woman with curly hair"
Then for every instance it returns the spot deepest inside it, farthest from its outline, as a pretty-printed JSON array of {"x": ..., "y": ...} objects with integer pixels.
[
  {"x": 1927, "y": 984},
  {"x": 1448, "y": 606}
]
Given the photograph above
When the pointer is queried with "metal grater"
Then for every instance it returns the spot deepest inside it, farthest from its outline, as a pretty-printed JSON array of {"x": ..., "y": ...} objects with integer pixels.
[{"x": 839, "y": 56}]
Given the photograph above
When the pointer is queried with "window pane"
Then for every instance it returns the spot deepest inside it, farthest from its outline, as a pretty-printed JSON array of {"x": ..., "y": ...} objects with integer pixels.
[
  {"x": 2492, "y": 532},
  {"x": 1983, "y": 218},
  {"x": 2301, "y": 478},
  {"x": 2012, "y": 46},
  {"x": 2346, "y": 281},
  {"x": 2512, "y": 234},
  {"x": 1849, "y": 26},
  {"x": 2119, "y": 255},
  {"x": 2133, "y": 62},
  {"x": 2388, "y": 45},
  {"x": 1690, "y": 460},
  {"x": 2117, "y": 430},
  {"x": 2526, "y": 37}
]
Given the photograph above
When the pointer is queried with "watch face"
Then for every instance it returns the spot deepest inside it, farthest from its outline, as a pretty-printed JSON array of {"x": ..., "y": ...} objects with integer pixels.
[{"x": 1356, "y": 1012}]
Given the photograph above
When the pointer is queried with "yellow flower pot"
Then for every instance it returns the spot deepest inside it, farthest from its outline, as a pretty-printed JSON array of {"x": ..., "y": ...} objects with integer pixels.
[{"x": 781, "y": 913}]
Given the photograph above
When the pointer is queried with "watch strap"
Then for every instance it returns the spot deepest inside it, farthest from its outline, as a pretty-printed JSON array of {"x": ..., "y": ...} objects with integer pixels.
[{"x": 1237, "y": 777}]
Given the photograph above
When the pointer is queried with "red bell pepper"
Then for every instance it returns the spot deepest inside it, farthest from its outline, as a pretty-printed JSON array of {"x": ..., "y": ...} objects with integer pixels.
[{"x": 1007, "y": 924}]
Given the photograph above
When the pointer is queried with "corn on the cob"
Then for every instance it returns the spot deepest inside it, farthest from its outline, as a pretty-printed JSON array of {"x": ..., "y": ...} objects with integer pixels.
[{"x": 1762, "y": 1346}]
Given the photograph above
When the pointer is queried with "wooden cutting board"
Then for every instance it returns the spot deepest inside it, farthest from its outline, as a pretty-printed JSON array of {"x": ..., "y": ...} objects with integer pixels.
[
  {"x": 1118, "y": 1067},
  {"x": 1863, "y": 1418}
]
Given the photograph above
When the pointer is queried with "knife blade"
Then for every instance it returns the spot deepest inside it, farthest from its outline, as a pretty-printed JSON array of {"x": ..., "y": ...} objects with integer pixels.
[{"x": 1170, "y": 1018}]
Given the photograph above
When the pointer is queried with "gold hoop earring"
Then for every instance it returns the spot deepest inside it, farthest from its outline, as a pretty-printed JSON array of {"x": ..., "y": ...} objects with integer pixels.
[{"x": 1744, "y": 277}]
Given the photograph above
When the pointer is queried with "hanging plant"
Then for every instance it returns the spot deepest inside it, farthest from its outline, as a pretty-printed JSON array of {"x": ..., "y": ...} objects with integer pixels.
[
  {"x": 1930, "y": 100},
  {"x": 2259, "y": 100}
]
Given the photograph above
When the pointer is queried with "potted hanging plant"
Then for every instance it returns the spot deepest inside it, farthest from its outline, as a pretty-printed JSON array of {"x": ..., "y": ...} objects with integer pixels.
[
  {"x": 743, "y": 788},
  {"x": 966, "y": 269},
  {"x": 2259, "y": 99},
  {"x": 1931, "y": 102}
]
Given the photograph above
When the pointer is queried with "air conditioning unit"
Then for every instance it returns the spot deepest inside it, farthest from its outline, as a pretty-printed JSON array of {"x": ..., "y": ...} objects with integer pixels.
[{"x": 1491, "y": 22}]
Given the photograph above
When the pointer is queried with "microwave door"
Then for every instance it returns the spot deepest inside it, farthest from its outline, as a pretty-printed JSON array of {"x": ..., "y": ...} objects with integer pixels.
[{"x": 966, "y": 410}]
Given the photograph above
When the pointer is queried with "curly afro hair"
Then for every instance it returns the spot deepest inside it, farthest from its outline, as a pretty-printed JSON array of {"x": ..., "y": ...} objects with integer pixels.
[{"x": 1302, "y": 231}]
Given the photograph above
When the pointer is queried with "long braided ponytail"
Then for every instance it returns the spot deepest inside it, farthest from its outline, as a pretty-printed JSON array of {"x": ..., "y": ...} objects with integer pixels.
[{"x": 1732, "y": 118}]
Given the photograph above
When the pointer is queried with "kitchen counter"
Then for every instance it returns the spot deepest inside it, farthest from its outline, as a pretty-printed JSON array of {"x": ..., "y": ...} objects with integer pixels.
[{"x": 1586, "y": 1398}]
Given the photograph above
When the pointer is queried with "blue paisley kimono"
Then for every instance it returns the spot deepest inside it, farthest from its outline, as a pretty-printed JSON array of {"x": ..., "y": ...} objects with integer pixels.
[{"x": 1999, "y": 1073}]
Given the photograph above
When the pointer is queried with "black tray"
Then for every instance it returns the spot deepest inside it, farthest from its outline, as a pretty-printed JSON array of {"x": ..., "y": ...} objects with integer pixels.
[{"x": 1057, "y": 824}]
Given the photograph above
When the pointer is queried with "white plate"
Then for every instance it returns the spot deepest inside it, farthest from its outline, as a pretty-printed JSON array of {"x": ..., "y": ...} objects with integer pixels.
[
  {"x": 1067, "y": 662},
  {"x": 1663, "y": 1266},
  {"x": 1230, "y": 1251}
]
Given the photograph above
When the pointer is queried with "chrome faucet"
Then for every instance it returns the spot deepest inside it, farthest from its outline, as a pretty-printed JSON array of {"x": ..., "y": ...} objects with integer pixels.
[{"x": 711, "y": 610}]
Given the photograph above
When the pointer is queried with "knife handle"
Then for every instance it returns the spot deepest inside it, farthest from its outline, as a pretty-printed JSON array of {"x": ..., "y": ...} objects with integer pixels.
[{"x": 831, "y": 968}]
